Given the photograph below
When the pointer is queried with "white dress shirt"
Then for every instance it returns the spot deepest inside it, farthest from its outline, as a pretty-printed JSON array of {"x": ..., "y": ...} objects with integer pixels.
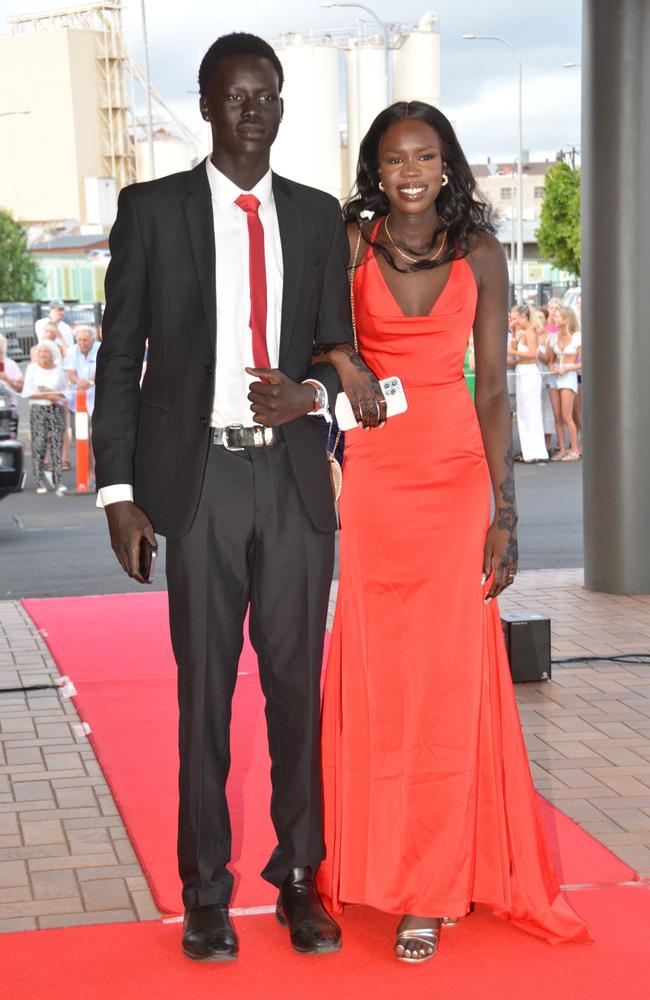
[
  {"x": 235, "y": 339},
  {"x": 234, "y": 335}
]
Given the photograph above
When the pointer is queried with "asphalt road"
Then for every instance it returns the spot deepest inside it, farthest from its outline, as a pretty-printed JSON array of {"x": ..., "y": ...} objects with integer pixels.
[{"x": 58, "y": 546}]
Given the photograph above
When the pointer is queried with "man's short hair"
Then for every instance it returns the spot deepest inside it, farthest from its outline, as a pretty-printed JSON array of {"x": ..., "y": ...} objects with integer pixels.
[
  {"x": 239, "y": 43},
  {"x": 56, "y": 304}
]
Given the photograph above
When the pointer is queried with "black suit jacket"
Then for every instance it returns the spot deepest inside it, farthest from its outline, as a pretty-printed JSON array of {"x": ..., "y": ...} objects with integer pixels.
[{"x": 160, "y": 287}]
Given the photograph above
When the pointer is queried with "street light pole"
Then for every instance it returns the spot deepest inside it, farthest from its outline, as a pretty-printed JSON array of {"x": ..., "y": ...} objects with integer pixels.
[
  {"x": 520, "y": 177},
  {"x": 152, "y": 163},
  {"x": 385, "y": 30}
]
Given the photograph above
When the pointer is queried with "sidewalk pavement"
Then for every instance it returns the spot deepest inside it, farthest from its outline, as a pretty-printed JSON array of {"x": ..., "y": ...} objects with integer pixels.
[{"x": 65, "y": 857}]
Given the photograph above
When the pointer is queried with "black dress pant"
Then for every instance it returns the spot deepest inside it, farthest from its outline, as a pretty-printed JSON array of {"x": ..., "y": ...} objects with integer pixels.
[{"x": 252, "y": 544}]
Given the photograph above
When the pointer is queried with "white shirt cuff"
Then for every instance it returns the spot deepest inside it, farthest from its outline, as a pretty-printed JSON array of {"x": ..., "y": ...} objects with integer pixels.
[
  {"x": 114, "y": 494},
  {"x": 324, "y": 411}
]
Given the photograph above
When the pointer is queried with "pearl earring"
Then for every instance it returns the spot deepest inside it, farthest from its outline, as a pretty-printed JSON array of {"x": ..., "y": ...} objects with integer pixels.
[
  {"x": 381, "y": 186},
  {"x": 445, "y": 180}
]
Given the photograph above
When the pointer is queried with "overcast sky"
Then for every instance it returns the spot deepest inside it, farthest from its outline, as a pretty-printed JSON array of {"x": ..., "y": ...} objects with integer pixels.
[{"x": 478, "y": 78}]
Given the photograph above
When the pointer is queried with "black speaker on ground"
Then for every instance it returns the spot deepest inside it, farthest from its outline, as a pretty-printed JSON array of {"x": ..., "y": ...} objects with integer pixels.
[{"x": 528, "y": 643}]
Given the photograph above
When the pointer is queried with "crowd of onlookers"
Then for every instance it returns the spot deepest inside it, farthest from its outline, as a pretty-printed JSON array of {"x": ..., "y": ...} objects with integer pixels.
[
  {"x": 62, "y": 363},
  {"x": 545, "y": 362},
  {"x": 544, "y": 380},
  {"x": 544, "y": 383}
]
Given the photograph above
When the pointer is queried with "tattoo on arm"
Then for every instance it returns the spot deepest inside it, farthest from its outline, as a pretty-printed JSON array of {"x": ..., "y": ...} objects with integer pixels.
[
  {"x": 512, "y": 551},
  {"x": 507, "y": 513},
  {"x": 358, "y": 362},
  {"x": 331, "y": 348}
]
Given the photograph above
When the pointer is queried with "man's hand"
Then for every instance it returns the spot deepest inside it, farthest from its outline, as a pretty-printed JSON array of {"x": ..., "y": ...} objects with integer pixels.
[
  {"x": 278, "y": 399},
  {"x": 128, "y": 525}
]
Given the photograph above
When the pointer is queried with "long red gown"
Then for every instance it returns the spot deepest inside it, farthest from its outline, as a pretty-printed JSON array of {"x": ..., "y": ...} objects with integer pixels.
[{"x": 429, "y": 802}]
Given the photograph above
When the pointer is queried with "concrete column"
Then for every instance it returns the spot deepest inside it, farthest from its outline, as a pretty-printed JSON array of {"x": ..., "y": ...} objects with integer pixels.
[{"x": 616, "y": 294}]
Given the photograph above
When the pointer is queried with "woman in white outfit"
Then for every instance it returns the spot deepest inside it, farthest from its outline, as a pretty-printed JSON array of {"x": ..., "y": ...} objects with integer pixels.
[
  {"x": 563, "y": 356},
  {"x": 550, "y": 419},
  {"x": 45, "y": 387},
  {"x": 528, "y": 386}
]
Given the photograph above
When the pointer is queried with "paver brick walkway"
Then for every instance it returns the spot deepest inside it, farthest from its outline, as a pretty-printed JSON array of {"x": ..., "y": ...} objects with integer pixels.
[{"x": 65, "y": 857}]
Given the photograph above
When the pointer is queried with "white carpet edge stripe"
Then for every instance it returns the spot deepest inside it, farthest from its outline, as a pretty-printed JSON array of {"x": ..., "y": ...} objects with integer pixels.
[{"x": 242, "y": 911}]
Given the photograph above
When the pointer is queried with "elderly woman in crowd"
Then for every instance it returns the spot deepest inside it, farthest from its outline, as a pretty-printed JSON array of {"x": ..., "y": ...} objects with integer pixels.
[
  {"x": 79, "y": 366},
  {"x": 52, "y": 333},
  {"x": 45, "y": 387}
]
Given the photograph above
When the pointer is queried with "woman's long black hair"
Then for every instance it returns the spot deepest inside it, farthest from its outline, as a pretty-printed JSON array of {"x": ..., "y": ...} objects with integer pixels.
[{"x": 463, "y": 212}]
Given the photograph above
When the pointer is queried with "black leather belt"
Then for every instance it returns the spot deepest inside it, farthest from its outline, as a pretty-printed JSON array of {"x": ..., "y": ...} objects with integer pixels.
[{"x": 236, "y": 437}]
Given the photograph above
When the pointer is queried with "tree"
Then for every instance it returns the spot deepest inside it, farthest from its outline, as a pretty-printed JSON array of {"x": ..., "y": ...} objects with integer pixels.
[
  {"x": 558, "y": 236},
  {"x": 18, "y": 269}
]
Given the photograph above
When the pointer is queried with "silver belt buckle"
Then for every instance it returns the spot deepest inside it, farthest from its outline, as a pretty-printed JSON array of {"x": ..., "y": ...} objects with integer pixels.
[{"x": 224, "y": 437}]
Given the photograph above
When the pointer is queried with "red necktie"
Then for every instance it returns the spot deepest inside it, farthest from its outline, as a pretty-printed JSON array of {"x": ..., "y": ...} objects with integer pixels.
[{"x": 257, "y": 269}]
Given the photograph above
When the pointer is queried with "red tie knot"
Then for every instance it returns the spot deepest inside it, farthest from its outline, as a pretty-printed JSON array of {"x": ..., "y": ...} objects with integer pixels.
[{"x": 248, "y": 203}]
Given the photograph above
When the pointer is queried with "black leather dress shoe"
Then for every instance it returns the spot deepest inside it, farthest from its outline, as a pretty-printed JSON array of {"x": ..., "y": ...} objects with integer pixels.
[
  {"x": 208, "y": 935},
  {"x": 312, "y": 930}
]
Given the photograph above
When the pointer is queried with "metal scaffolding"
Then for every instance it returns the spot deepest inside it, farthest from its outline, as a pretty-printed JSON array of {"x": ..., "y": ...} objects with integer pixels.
[
  {"x": 118, "y": 123},
  {"x": 104, "y": 19}
]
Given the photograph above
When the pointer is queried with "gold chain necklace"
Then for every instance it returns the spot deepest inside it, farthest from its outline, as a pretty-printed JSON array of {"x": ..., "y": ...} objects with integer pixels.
[{"x": 405, "y": 256}]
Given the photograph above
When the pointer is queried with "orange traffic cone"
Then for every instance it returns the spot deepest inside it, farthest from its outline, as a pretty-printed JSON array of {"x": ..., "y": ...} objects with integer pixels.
[{"x": 81, "y": 447}]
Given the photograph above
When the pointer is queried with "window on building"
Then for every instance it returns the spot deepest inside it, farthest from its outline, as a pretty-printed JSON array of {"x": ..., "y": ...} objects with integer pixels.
[
  {"x": 506, "y": 194},
  {"x": 539, "y": 192}
]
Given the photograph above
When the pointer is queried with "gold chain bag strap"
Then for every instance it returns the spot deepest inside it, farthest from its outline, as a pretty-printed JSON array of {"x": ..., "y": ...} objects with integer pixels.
[{"x": 335, "y": 470}]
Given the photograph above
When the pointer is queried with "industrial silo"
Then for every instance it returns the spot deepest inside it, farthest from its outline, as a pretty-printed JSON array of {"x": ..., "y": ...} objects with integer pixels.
[
  {"x": 416, "y": 63},
  {"x": 365, "y": 66},
  {"x": 308, "y": 147}
]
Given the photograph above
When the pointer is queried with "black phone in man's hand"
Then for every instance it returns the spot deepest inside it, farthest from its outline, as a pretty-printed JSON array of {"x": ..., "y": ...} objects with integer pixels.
[{"x": 148, "y": 553}]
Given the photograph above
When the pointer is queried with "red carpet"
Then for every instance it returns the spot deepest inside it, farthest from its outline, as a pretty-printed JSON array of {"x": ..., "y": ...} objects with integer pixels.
[
  {"x": 116, "y": 650},
  {"x": 481, "y": 959}
]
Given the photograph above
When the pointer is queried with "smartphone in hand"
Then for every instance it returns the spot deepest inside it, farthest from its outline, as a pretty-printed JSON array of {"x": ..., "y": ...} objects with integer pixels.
[{"x": 148, "y": 553}]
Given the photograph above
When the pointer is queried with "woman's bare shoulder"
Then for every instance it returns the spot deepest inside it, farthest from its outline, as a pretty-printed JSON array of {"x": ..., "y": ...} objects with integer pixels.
[
  {"x": 485, "y": 247},
  {"x": 486, "y": 255},
  {"x": 353, "y": 230}
]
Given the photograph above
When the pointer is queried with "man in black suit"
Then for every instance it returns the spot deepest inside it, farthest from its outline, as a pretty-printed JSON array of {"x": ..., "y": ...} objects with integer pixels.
[{"x": 226, "y": 270}]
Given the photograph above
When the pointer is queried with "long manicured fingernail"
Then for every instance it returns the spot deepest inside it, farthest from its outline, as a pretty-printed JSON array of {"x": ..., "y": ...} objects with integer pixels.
[
  {"x": 483, "y": 579},
  {"x": 487, "y": 600}
]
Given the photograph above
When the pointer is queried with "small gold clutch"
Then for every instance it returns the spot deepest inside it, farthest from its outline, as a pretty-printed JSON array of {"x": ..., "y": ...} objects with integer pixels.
[{"x": 336, "y": 475}]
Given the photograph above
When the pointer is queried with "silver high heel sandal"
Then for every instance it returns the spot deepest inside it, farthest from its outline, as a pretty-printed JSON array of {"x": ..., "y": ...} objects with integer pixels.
[{"x": 424, "y": 938}]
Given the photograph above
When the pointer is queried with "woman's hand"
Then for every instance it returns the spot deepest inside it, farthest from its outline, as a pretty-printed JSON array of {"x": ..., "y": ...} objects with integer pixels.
[
  {"x": 358, "y": 382},
  {"x": 500, "y": 553},
  {"x": 362, "y": 388}
]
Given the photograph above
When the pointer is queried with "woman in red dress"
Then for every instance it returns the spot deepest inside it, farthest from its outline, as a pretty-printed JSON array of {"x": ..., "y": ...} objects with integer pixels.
[{"x": 429, "y": 803}]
